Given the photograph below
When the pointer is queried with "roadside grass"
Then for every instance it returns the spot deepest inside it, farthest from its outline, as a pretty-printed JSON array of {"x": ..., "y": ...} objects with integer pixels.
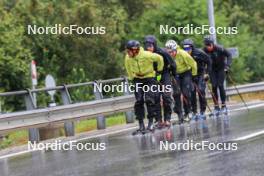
[{"x": 20, "y": 137}]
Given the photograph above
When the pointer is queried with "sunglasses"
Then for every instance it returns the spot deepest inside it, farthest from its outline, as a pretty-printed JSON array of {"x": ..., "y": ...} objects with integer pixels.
[{"x": 187, "y": 48}]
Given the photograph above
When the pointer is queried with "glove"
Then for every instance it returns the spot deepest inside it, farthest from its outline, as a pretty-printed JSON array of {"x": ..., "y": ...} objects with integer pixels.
[
  {"x": 158, "y": 78},
  {"x": 227, "y": 69},
  {"x": 206, "y": 77},
  {"x": 195, "y": 79}
]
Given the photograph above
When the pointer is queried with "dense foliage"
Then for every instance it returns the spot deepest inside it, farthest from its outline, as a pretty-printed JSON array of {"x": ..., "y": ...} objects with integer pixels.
[{"x": 101, "y": 56}]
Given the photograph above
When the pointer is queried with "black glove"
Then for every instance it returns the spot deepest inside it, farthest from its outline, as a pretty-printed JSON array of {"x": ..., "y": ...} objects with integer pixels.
[
  {"x": 195, "y": 79},
  {"x": 227, "y": 69}
]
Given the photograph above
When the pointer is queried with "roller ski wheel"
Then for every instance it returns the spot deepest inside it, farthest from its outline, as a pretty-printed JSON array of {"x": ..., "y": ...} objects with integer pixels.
[{"x": 138, "y": 132}]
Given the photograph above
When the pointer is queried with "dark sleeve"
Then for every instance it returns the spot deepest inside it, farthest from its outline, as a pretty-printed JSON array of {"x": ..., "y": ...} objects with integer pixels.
[
  {"x": 169, "y": 60},
  {"x": 207, "y": 60},
  {"x": 172, "y": 64},
  {"x": 228, "y": 57}
]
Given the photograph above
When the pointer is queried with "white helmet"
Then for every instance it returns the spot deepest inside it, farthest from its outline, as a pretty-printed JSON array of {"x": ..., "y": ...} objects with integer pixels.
[{"x": 171, "y": 44}]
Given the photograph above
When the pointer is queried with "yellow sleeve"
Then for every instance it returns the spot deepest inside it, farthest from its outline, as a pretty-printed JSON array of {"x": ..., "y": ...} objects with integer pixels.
[
  {"x": 191, "y": 62},
  {"x": 158, "y": 58},
  {"x": 128, "y": 69}
]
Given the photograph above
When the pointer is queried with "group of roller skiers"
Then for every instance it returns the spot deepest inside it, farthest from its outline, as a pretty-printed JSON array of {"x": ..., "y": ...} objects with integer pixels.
[{"x": 186, "y": 69}]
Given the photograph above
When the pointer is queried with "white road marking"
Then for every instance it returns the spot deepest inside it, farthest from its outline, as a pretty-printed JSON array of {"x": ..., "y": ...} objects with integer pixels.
[{"x": 243, "y": 138}]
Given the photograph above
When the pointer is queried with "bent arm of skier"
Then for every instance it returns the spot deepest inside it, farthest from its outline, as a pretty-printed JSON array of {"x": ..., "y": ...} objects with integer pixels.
[
  {"x": 128, "y": 69},
  {"x": 208, "y": 62},
  {"x": 156, "y": 58},
  {"x": 228, "y": 58},
  {"x": 192, "y": 63}
]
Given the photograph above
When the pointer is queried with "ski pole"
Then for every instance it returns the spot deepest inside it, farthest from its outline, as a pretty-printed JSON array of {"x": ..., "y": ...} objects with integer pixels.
[
  {"x": 235, "y": 85},
  {"x": 212, "y": 94},
  {"x": 200, "y": 93},
  {"x": 184, "y": 98}
]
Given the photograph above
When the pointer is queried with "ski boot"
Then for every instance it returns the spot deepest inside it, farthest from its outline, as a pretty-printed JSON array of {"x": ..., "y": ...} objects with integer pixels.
[
  {"x": 187, "y": 117},
  {"x": 180, "y": 116},
  {"x": 194, "y": 116},
  {"x": 216, "y": 111},
  {"x": 150, "y": 127},
  {"x": 202, "y": 115},
  {"x": 167, "y": 123},
  {"x": 158, "y": 124},
  {"x": 141, "y": 129},
  {"x": 224, "y": 110}
]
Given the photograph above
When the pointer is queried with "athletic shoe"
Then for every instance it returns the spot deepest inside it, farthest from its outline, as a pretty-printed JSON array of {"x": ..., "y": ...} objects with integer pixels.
[{"x": 141, "y": 129}]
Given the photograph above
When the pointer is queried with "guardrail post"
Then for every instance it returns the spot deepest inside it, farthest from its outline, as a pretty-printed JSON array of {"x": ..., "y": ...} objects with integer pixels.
[
  {"x": 129, "y": 114},
  {"x": 66, "y": 99},
  {"x": 33, "y": 133},
  {"x": 98, "y": 95}
]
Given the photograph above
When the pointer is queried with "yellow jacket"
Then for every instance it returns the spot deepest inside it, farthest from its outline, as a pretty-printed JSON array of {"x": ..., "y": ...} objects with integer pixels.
[
  {"x": 185, "y": 62},
  {"x": 141, "y": 66}
]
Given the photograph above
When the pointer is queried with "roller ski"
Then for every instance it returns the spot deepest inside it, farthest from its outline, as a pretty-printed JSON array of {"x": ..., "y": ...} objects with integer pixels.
[{"x": 141, "y": 130}]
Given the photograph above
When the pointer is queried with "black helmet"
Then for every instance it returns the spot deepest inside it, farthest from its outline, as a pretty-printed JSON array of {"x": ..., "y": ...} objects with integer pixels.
[
  {"x": 132, "y": 44},
  {"x": 208, "y": 40},
  {"x": 188, "y": 42},
  {"x": 150, "y": 39}
]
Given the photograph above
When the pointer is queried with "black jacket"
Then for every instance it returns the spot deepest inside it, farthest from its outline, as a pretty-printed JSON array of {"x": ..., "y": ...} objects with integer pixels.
[
  {"x": 169, "y": 63},
  {"x": 203, "y": 61},
  {"x": 220, "y": 57}
]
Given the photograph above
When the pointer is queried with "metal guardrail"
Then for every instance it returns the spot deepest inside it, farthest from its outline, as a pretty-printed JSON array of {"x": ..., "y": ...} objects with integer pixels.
[
  {"x": 246, "y": 88},
  {"x": 42, "y": 117},
  {"x": 70, "y": 112},
  {"x": 66, "y": 99}
]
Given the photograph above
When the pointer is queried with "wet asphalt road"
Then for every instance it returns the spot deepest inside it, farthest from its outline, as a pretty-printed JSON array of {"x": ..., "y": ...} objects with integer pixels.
[{"x": 141, "y": 155}]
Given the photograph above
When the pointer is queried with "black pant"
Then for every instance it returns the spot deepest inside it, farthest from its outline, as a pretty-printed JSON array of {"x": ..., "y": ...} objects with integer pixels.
[
  {"x": 151, "y": 98},
  {"x": 199, "y": 87},
  {"x": 183, "y": 84},
  {"x": 166, "y": 96},
  {"x": 217, "y": 78}
]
